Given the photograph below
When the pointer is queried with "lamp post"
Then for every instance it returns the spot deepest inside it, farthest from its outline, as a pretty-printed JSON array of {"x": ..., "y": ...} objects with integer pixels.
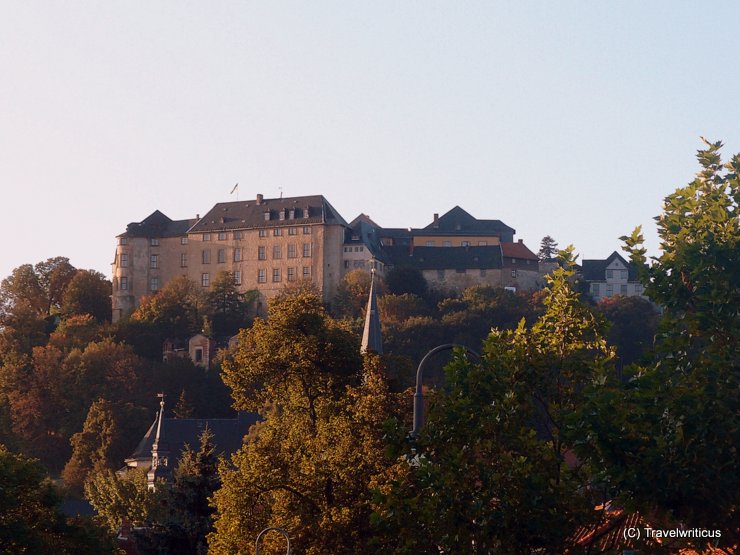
[
  {"x": 273, "y": 529},
  {"x": 419, "y": 394}
]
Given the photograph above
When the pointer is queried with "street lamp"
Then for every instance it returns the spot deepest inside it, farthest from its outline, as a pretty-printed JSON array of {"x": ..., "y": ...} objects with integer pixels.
[
  {"x": 419, "y": 395},
  {"x": 259, "y": 536}
]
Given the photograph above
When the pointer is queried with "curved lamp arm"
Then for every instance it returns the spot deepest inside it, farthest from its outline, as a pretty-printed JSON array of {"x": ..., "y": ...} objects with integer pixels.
[
  {"x": 273, "y": 529},
  {"x": 419, "y": 394}
]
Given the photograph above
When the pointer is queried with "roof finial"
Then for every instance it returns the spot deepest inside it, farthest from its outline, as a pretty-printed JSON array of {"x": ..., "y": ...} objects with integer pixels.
[{"x": 371, "y": 336}]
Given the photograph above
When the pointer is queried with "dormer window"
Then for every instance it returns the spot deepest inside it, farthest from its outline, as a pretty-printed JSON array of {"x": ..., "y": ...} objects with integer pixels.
[
  {"x": 281, "y": 215},
  {"x": 305, "y": 212},
  {"x": 267, "y": 215},
  {"x": 291, "y": 214}
]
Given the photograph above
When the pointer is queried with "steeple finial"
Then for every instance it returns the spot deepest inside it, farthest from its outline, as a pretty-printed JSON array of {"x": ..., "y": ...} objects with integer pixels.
[
  {"x": 160, "y": 452},
  {"x": 371, "y": 337}
]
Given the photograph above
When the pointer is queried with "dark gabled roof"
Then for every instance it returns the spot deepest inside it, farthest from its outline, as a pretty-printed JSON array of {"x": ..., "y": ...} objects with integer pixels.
[
  {"x": 157, "y": 224},
  {"x": 363, "y": 233},
  {"x": 458, "y": 222},
  {"x": 595, "y": 270},
  {"x": 249, "y": 214},
  {"x": 176, "y": 432},
  {"x": 517, "y": 250},
  {"x": 363, "y": 218},
  {"x": 445, "y": 258}
]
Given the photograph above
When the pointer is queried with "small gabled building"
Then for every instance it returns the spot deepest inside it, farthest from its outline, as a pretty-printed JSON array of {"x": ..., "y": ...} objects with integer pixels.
[
  {"x": 520, "y": 267},
  {"x": 610, "y": 277}
]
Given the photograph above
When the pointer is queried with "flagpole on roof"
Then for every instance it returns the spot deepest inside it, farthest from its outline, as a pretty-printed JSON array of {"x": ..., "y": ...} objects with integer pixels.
[{"x": 236, "y": 188}]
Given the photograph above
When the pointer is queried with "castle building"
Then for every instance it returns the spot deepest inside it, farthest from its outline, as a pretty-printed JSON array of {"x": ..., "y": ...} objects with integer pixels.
[
  {"x": 268, "y": 244},
  {"x": 265, "y": 243}
]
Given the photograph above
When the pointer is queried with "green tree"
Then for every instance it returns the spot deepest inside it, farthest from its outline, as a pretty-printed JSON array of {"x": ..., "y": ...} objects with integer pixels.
[
  {"x": 671, "y": 449},
  {"x": 227, "y": 307},
  {"x": 176, "y": 310},
  {"x": 405, "y": 279},
  {"x": 633, "y": 325},
  {"x": 108, "y": 434},
  {"x": 488, "y": 472},
  {"x": 88, "y": 292},
  {"x": 307, "y": 473},
  {"x": 30, "y": 517},
  {"x": 548, "y": 248}
]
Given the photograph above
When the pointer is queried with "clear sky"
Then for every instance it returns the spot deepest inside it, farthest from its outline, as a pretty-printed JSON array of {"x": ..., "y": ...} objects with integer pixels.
[{"x": 572, "y": 119}]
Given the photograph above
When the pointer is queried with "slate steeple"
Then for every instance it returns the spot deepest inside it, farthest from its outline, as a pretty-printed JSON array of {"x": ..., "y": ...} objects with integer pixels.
[
  {"x": 160, "y": 452},
  {"x": 371, "y": 337}
]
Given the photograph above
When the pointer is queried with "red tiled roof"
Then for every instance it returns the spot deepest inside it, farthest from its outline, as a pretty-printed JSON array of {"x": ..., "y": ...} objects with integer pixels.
[{"x": 517, "y": 250}]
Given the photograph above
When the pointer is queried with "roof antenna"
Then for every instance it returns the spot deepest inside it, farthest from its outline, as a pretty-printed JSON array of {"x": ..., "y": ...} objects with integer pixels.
[{"x": 281, "y": 191}]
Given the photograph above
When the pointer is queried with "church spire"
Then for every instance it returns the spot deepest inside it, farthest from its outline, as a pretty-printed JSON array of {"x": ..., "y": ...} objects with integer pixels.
[
  {"x": 160, "y": 451},
  {"x": 371, "y": 338}
]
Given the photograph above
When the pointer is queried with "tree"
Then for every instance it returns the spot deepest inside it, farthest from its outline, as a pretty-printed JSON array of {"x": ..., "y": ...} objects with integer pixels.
[
  {"x": 176, "y": 310},
  {"x": 634, "y": 323},
  {"x": 673, "y": 445},
  {"x": 125, "y": 497},
  {"x": 306, "y": 474},
  {"x": 488, "y": 472},
  {"x": 38, "y": 287},
  {"x": 299, "y": 345},
  {"x": 30, "y": 518},
  {"x": 548, "y": 248},
  {"x": 405, "y": 279},
  {"x": 352, "y": 294},
  {"x": 227, "y": 307},
  {"x": 88, "y": 292},
  {"x": 107, "y": 436}
]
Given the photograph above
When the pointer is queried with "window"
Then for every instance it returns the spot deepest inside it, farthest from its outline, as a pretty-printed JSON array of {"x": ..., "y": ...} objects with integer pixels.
[
  {"x": 638, "y": 288},
  {"x": 237, "y": 278},
  {"x": 305, "y": 212},
  {"x": 624, "y": 274},
  {"x": 277, "y": 232},
  {"x": 237, "y": 235},
  {"x": 154, "y": 284},
  {"x": 482, "y": 243},
  {"x": 123, "y": 241},
  {"x": 441, "y": 275},
  {"x": 609, "y": 289},
  {"x": 358, "y": 263},
  {"x": 267, "y": 215},
  {"x": 357, "y": 249},
  {"x": 183, "y": 260},
  {"x": 205, "y": 279},
  {"x": 154, "y": 261},
  {"x": 261, "y": 253},
  {"x": 307, "y": 272},
  {"x": 206, "y": 257},
  {"x": 447, "y": 244},
  {"x": 596, "y": 289},
  {"x": 281, "y": 215},
  {"x": 465, "y": 244},
  {"x": 183, "y": 240},
  {"x": 513, "y": 260},
  {"x": 222, "y": 236},
  {"x": 153, "y": 242},
  {"x": 261, "y": 276},
  {"x": 430, "y": 243},
  {"x": 238, "y": 254},
  {"x": 609, "y": 274},
  {"x": 346, "y": 263},
  {"x": 292, "y": 231},
  {"x": 277, "y": 252},
  {"x": 623, "y": 289},
  {"x": 221, "y": 256},
  {"x": 292, "y": 253},
  {"x": 275, "y": 275},
  {"x": 291, "y": 274},
  {"x": 513, "y": 273},
  {"x": 198, "y": 354},
  {"x": 306, "y": 250},
  {"x": 263, "y": 233},
  {"x": 124, "y": 260},
  {"x": 124, "y": 283},
  {"x": 306, "y": 229},
  {"x": 206, "y": 236}
]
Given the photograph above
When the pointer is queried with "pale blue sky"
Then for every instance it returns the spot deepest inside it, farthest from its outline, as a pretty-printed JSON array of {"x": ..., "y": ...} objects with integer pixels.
[{"x": 572, "y": 119}]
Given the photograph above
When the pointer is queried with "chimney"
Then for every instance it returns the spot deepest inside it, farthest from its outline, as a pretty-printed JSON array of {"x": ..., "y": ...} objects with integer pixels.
[
  {"x": 521, "y": 241},
  {"x": 259, "y": 199},
  {"x": 436, "y": 220}
]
